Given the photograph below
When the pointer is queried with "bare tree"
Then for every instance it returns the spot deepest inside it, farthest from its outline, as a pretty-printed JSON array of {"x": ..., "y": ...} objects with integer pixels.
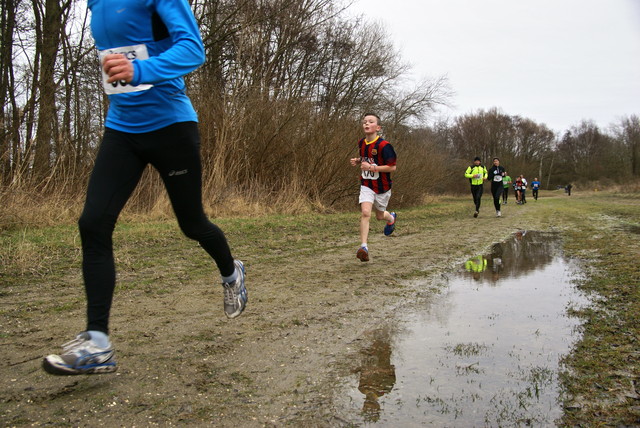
[
  {"x": 627, "y": 132},
  {"x": 10, "y": 113},
  {"x": 49, "y": 19}
]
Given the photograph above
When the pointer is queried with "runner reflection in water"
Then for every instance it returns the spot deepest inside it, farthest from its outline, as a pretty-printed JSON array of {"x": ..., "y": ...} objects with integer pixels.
[
  {"x": 476, "y": 265},
  {"x": 496, "y": 261},
  {"x": 377, "y": 375}
]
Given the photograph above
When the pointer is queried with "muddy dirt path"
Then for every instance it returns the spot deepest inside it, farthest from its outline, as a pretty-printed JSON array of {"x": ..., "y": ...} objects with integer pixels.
[{"x": 182, "y": 363}]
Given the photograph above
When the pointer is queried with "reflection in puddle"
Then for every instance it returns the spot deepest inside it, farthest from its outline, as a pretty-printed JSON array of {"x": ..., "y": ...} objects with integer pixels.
[
  {"x": 526, "y": 252},
  {"x": 377, "y": 375},
  {"x": 485, "y": 352}
]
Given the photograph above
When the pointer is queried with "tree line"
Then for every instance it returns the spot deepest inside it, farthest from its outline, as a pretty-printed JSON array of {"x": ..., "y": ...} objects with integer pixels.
[
  {"x": 583, "y": 154},
  {"x": 279, "y": 100}
]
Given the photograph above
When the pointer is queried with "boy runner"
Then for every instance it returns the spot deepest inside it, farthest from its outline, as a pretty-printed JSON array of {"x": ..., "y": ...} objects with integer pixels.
[
  {"x": 377, "y": 161},
  {"x": 476, "y": 174}
]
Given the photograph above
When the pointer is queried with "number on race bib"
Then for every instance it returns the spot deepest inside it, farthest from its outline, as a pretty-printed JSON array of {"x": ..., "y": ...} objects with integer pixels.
[
  {"x": 137, "y": 52},
  {"x": 119, "y": 82},
  {"x": 370, "y": 175}
]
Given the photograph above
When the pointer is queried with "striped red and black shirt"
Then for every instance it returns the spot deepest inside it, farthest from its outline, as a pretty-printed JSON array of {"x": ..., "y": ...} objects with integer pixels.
[{"x": 379, "y": 152}]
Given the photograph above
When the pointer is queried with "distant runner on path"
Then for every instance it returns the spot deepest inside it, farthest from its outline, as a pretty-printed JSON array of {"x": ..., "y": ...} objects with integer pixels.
[
  {"x": 535, "y": 186},
  {"x": 506, "y": 181},
  {"x": 524, "y": 189},
  {"x": 495, "y": 176},
  {"x": 377, "y": 161},
  {"x": 476, "y": 174},
  {"x": 518, "y": 186}
]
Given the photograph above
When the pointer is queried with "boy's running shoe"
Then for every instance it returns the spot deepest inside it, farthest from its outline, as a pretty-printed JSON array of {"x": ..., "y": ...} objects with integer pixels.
[
  {"x": 475, "y": 214},
  {"x": 363, "y": 254},
  {"x": 389, "y": 228},
  {"x": 235, "y": 293},
  {"x": 81, "y": 356}
]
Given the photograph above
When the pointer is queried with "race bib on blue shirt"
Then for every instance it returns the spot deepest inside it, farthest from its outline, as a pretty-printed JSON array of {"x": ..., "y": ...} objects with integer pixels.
[{"x": 135, "y": 52}]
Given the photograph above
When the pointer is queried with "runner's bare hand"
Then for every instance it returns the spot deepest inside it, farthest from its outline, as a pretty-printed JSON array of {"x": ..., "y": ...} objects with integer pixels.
[{"x": 118, "y": 68}]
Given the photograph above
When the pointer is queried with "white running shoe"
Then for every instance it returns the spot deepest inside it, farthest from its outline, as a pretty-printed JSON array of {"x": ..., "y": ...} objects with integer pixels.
[
  {"x": 235, "y": 293},
  {"x": 81, "y": 356}
]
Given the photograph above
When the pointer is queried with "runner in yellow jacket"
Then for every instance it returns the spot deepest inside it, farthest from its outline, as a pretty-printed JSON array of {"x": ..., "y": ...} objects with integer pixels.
[{"x": 476, "y": 174}]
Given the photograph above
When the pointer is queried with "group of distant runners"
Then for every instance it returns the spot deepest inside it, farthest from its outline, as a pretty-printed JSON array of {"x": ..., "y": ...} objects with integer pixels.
[{"x": 500, "y": 184}]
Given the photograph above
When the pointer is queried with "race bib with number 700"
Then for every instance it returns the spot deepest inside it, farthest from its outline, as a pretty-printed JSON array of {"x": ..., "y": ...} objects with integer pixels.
[{"x": 137, "y": 52}]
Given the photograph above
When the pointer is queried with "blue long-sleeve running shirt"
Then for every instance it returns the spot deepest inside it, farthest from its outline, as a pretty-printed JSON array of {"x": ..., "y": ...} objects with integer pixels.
[{"x": 162, "y": 39}]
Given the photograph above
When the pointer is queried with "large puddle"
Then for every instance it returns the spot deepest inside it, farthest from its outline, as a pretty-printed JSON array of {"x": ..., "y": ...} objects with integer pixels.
[{"x": 484, "y": 352}]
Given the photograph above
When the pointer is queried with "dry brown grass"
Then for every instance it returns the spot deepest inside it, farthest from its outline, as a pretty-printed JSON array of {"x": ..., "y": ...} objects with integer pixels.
[
  {"x": 25, "y": 207},
  {"x": 20, "y": 208},
  {"x": 24, "y": 257},
  {"x": 605, "y": 184}
]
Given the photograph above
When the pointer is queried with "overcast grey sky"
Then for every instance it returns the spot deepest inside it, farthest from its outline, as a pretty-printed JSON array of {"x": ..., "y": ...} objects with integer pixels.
[{"x": 553, "y": 61}]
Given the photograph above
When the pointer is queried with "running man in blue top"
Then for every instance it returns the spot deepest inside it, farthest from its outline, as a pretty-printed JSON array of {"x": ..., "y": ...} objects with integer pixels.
[
  {"x": 535, "y": 186},
  {"x": 145, "y": 48}
]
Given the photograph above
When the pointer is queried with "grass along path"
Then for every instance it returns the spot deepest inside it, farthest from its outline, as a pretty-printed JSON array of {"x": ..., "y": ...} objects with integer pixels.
[{"x": 311, "y": 300}]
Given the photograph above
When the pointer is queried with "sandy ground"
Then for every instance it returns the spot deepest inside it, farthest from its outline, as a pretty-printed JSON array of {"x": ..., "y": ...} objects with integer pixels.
[{"x": 181, "y": 362}]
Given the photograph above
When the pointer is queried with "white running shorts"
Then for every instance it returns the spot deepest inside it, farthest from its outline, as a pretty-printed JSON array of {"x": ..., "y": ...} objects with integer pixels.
[{"x": 379, "y": 200}]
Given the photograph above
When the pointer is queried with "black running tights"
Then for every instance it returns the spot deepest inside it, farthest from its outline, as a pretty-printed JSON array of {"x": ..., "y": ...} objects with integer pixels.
[
  {"x": 174, "y": 152},
  {"x": 496, "y": 190},
  {"x": 476, "y": 191}
]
